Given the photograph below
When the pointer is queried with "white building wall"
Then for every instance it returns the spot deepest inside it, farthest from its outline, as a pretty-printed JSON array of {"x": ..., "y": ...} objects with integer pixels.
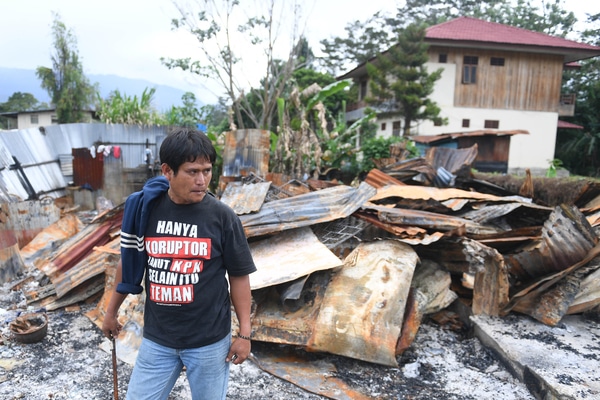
[
  {"x": 534, "y": 150},
  {"x": 44, "y": 119}
]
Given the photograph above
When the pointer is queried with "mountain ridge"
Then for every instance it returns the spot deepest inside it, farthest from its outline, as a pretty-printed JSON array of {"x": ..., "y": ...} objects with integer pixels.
[{"x": 14, "y": 80}]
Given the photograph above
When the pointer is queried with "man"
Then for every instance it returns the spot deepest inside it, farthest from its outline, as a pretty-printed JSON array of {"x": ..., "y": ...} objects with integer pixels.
[{"x": 182, "y": 242}]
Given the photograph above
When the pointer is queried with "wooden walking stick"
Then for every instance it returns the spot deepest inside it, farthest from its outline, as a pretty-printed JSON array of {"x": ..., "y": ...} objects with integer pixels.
[{"x": 114, "y": 365}]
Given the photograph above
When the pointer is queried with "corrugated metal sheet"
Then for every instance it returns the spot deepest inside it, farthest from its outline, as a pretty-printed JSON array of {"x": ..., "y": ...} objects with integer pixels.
[
  {"x": 289, "y": 255},
  {"x": 307, "y": 209},
  {"x": 244, "y": 199},
  {"x": 130, "y": 139},
  {"x": 451, "y": 159},
  {"x": 50, "y": 238},
  {"x": 43, "y": 154},
  {"x": 87, "y": 170},
  {"x": 28, "y": 218},
  {"x": 315, "y": 376},
  {"x": 456, "y": 135},
  {"x": 430, "y": 220},
  {"x": 66, "y": 164},
  {"x": 379, "y": 179},
  {"x": 363, "y": 308},
  {"x": 246, "y": 150},
  {"x": 425, "y": 192},
  {"x": 566, "y": 238}
]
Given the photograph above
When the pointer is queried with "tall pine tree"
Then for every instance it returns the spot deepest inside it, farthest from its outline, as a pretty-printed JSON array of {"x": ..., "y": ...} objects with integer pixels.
[{"x": 400, "y": 83}]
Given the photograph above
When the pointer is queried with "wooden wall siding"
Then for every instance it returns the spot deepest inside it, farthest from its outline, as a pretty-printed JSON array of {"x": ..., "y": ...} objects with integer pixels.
[
  {"x": 527, "y": 81},
  {"x": 489, "y": 148},
  {"x": 492, "y": 152}
]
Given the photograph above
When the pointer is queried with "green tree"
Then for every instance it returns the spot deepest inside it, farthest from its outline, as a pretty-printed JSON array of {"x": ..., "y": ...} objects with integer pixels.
[
  {"x": 212, "y": 24},
  {"x": 69, "y": 89},
  {"x": 124, "y": 109},
  {"x": 187, "y": 115},
  {"x": 305, "y": 77},
  {"x": 310, "y": 139},
  {"x": 552, "y": 18},
  {"x": 363, "y": 41},
  {"x": 579, "y": 150},
  {"x": 400, "y": 82},
  {"x": 21, "y": 102},
  {"x": 305, "y": 56}
]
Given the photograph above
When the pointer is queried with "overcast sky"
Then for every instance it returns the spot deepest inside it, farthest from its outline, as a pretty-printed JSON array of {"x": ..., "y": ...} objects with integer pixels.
[{"x": 128, "y": 37}]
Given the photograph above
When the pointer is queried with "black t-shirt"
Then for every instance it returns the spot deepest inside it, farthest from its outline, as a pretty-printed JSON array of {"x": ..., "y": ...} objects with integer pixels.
[{"x": 190, "y": 248}]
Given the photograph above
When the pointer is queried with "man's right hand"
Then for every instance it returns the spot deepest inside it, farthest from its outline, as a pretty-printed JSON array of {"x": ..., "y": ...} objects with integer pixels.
[{"x": 111, "y": 326}]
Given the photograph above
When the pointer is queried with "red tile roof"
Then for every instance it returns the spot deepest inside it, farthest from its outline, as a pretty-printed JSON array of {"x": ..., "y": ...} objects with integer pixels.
[
  {"x": 476, "y": 30},
  {"x": 468, "y": 32}
]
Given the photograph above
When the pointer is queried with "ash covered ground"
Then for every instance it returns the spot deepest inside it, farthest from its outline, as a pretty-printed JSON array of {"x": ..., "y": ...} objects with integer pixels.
[{"x": 70, "y": 363}]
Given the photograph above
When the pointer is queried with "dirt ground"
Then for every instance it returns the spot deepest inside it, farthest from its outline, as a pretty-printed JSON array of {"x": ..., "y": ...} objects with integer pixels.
[{"x": 74, "y": 362}]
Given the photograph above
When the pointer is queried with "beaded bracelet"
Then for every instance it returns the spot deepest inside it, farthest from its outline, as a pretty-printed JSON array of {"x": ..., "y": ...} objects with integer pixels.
[{"x": 244, "y": 337}]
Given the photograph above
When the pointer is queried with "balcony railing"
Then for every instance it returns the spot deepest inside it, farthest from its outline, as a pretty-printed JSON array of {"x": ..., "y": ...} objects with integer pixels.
[{"x": 356, "y": 106}]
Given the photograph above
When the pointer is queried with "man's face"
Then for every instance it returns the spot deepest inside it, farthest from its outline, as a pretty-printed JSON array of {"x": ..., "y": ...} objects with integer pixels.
[{"x": 190, "y": 183}]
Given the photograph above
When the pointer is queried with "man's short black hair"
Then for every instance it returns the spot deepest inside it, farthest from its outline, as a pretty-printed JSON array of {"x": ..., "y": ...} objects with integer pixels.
[{"x": 186, "y": 145}]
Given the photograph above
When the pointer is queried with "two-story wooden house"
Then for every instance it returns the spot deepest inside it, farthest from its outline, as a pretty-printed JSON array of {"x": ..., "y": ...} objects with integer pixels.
[{"x": 497, "y": 81}]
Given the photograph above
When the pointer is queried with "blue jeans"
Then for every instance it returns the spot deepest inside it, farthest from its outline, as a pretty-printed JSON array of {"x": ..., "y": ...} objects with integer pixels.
[{"x": 157, "y": 369}]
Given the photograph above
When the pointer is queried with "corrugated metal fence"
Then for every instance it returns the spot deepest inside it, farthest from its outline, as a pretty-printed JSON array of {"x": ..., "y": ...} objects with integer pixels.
[{"x": 38, "y": 162}]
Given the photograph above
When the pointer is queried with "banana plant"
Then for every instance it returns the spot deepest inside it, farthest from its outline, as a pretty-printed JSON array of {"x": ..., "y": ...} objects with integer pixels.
[{"x": 309, "y": 140}]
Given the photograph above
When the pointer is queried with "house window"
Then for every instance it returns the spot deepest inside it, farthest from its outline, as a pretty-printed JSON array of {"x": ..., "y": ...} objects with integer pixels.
[
  {"x": 466, "y": 123},
  {"x": 497, "y": 61},
  {"x": 396, "y": 128},
  {"x": 34, "y": 119},
  {"x": 491, "y": 124},
  {"x": 54, "y": 119},
  {"x": 383, "y": 126},
  {"x": 443, "y": 58},
  {"x": 470, "y": 69},
  {"x": 437, "y": 122},
  {"x": 363, "y": 90}
]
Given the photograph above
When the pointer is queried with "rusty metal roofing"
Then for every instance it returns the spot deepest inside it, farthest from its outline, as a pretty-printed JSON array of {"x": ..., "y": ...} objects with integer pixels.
[
  {"x": 246, "y": 150},
  {"x": 307, "y": 209},
  {"x": 288, "y": 256},
  {"x": 566, "y": 238},
  {"x": 451, "y": 159},
  {"x": 357, "y": 312},
  {"x": 427, "y": 139},
  {"x": 379, "y": 179},
  {"x": 50, "y": 238},
  {"x": 362, "y": 311},
  {"x": 79, "y": 246},
  {"x": 314, "y": 376},
  {"x": 429, "y": 220},
  {"x": 29, "y": 218},
  {"x": 439, "y": 194},
  {"x": 244, "y": 199}
]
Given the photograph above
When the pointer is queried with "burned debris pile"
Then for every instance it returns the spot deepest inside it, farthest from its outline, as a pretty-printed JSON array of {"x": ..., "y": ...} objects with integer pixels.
[{"x": 352, "y": 270}]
